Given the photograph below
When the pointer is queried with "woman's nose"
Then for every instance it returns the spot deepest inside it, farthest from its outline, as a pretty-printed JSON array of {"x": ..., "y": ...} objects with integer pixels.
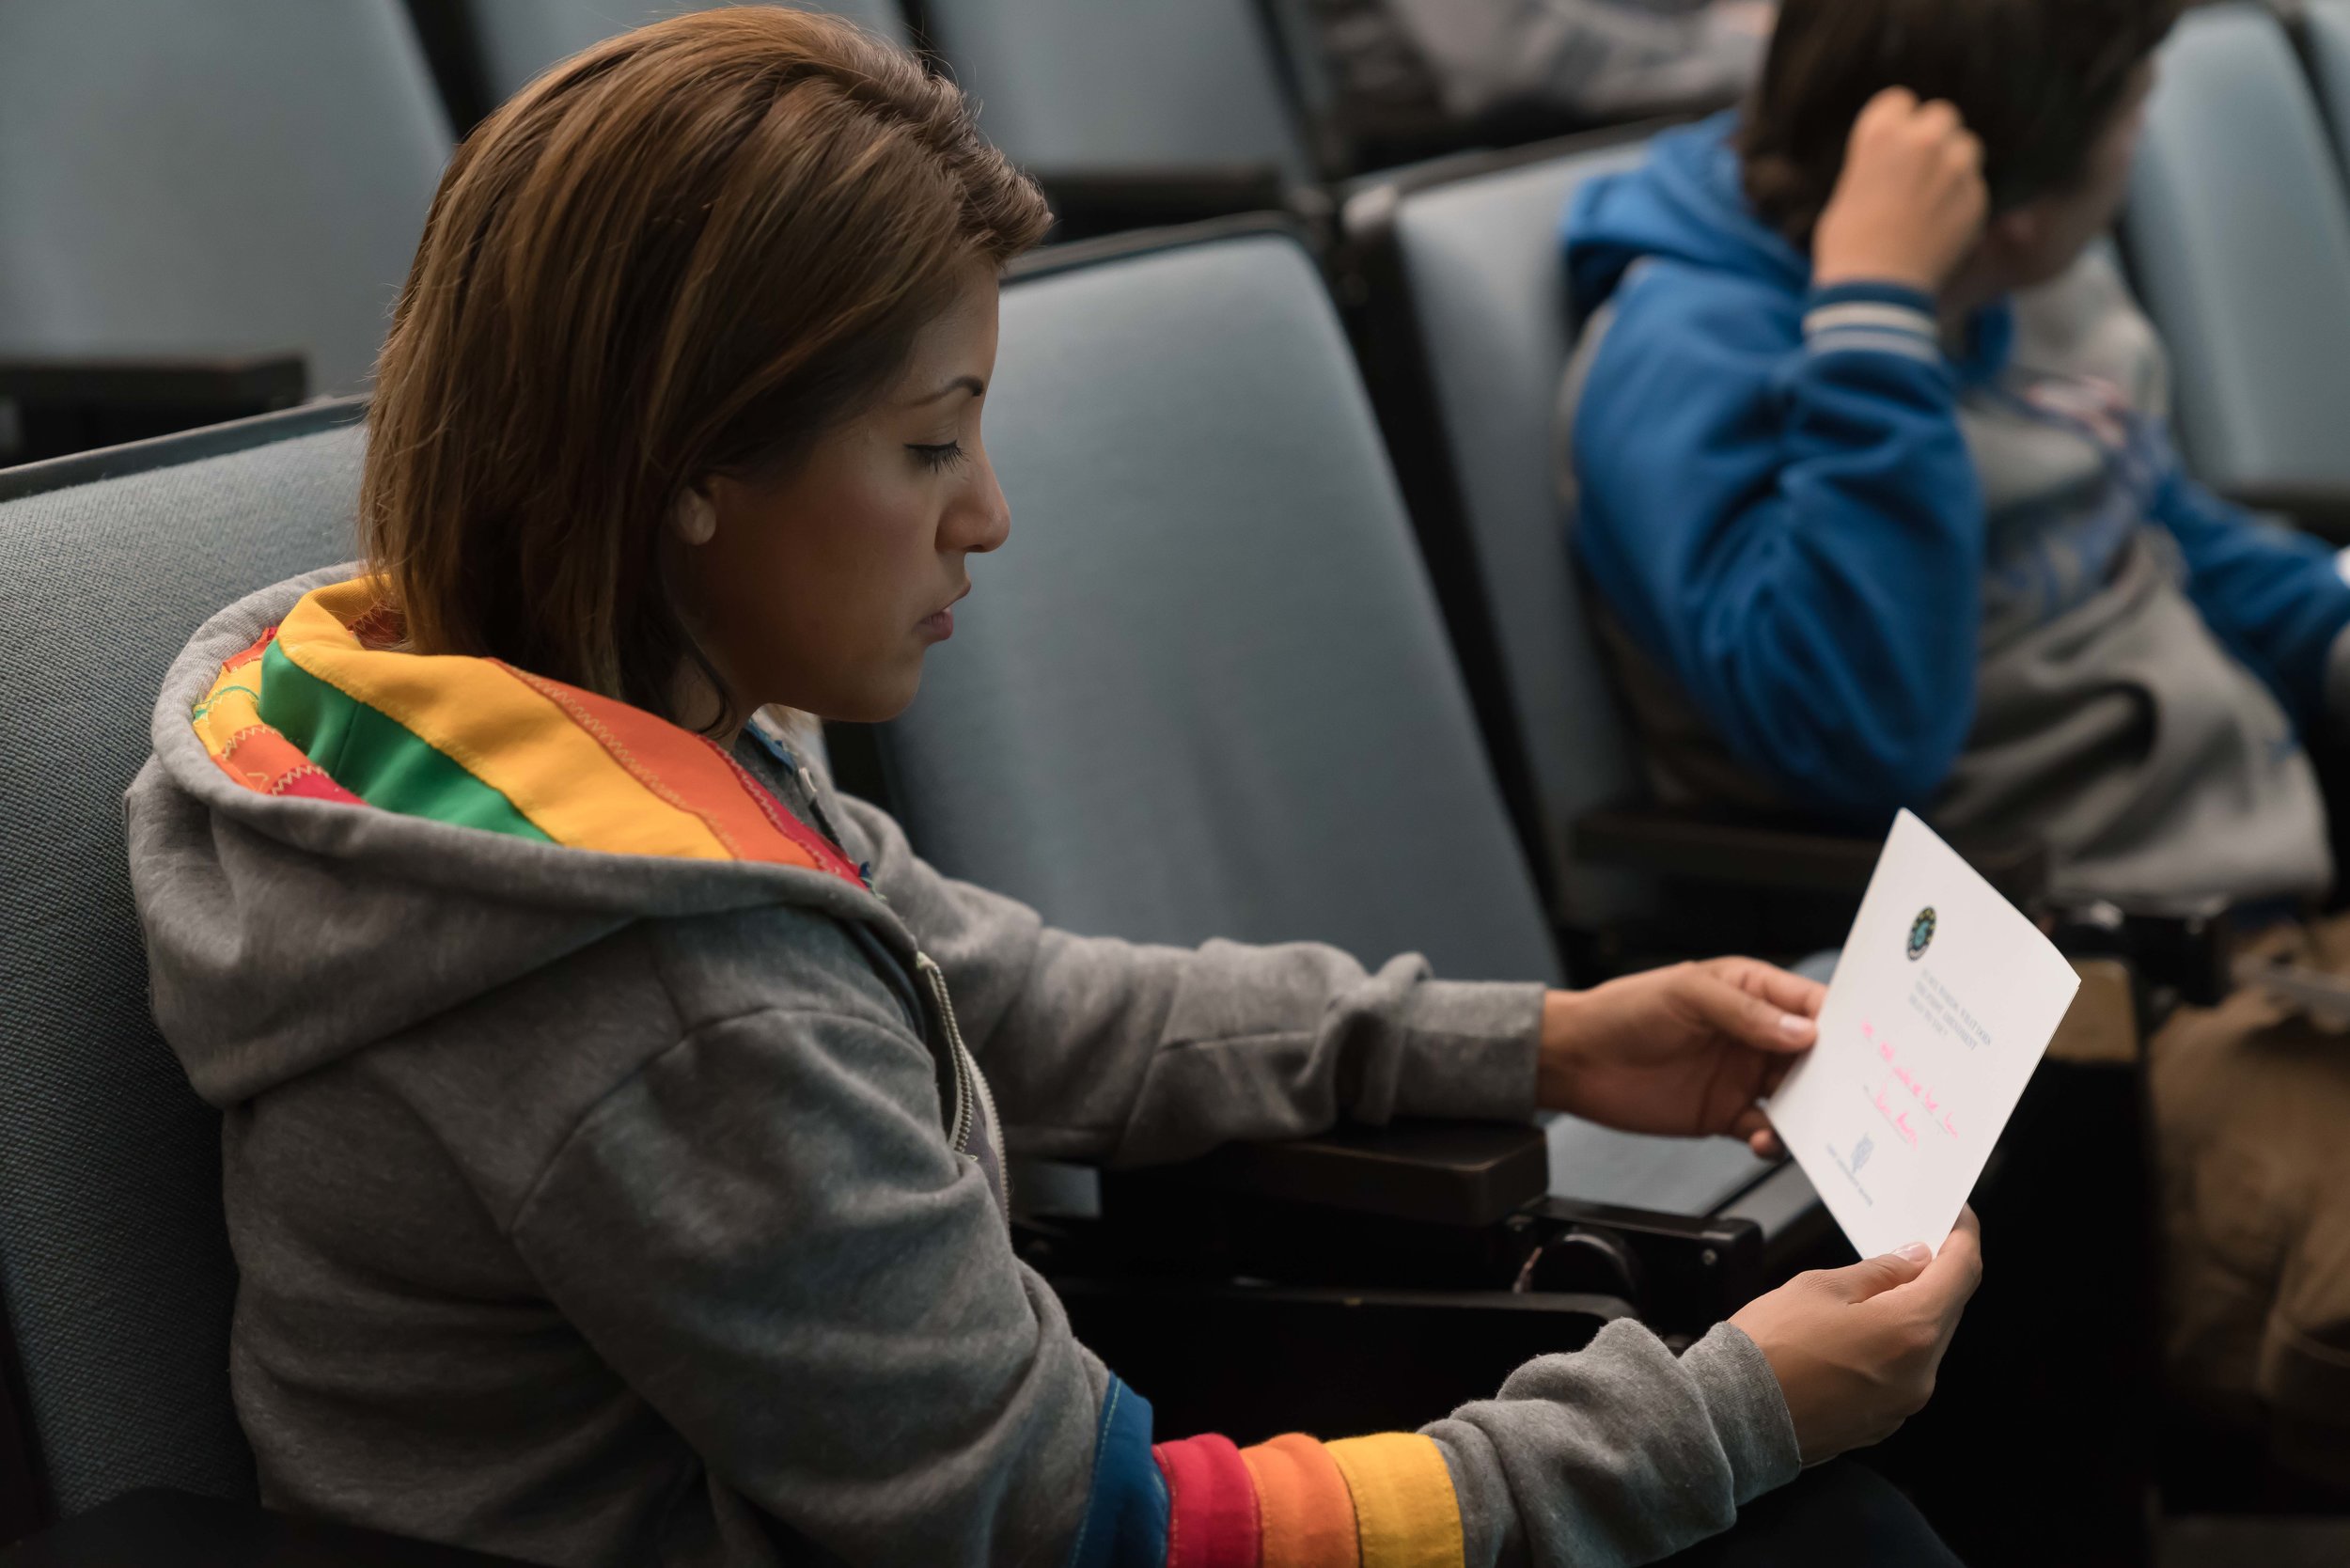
[{"x": 984, "y": 519}]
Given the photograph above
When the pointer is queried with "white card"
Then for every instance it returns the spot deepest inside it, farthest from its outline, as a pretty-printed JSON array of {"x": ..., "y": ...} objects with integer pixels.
[{"x": 1944, "y": 1000}]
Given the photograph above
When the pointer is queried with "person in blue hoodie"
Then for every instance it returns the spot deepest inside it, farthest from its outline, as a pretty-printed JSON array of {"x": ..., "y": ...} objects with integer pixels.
[{"x": 1873, "y": 493}]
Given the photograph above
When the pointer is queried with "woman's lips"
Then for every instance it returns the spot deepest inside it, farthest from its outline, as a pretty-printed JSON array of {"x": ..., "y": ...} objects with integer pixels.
[{"x": 939, "y": 624}]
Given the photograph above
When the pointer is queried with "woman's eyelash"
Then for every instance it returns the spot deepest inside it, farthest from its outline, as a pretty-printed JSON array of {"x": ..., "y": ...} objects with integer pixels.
[{"x": 947, "y": 454}]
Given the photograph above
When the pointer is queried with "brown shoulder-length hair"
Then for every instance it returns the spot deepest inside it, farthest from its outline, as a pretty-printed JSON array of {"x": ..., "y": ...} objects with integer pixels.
[
  {"x": 2039, "y": 81},
  {"x": 692, "y": 249}
]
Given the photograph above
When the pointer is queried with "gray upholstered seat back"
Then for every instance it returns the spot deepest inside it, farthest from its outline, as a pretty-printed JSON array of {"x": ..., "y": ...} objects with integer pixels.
[
  {"x": 113, "y": 1256},
  {"x": 228, "y": 176},
  {"x": 2328, "y": 25},
  {"x": 1104, "y": 85},
  {"x": 1481, "y": 258},
  {"x": 1204, "y": 691},
  {"x": 2239, "y": 239},
  {"x": 518, "y": 39}
]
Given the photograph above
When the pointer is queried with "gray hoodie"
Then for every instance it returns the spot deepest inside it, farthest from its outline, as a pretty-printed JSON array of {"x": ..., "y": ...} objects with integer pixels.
[{"x": 615, "y": 1209}]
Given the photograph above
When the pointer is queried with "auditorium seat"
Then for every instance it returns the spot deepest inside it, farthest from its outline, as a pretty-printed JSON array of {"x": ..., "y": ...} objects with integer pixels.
[
  {"x": 1469, "y": 337},
  {"x": 515, "y": 39},
  {"x": 2326, "y": 25},
  {"x": 112, "y": 1249},
  {"x": 115, "y": 1426},
  {"x": 2238, "y": 239},
  {"x": 225, "y": 179},
  {"x": 1206, "y": 691},
  {"x": 1135, "y": 112}
]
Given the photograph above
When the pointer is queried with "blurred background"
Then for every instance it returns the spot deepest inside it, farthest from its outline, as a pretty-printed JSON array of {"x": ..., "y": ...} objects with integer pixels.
[{"x": 209, "y": 206}]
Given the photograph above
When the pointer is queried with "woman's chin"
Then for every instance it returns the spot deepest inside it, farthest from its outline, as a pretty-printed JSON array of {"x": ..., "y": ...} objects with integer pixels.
[{"x": 879, "y": 702}]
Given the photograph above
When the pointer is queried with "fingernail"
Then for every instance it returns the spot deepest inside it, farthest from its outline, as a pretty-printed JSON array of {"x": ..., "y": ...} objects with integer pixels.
[
  {"x": 1915, "y": 1252},
  {"x": 1794, "y": 1024}
]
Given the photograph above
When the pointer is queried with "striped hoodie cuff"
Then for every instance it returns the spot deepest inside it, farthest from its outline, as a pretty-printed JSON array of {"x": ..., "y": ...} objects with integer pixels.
[
  {"x": 1384, "y": 1502},
  {"x": 1874, "y": 318}
]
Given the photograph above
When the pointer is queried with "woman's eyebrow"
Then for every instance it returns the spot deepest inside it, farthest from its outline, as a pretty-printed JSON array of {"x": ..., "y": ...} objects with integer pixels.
[{"x": 972, "y": 385}]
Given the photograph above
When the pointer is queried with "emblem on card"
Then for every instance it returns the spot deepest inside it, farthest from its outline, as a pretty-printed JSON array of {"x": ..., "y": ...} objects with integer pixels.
[
  {"x": 1861, "y": 1152},
  {"x": 1922, "y": 933}
]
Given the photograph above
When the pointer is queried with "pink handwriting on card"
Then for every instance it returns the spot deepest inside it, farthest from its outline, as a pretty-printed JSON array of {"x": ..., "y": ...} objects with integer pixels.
[
  {"x": 1919, "y": 1089},
  {"x": 1900, "y": 1120}
]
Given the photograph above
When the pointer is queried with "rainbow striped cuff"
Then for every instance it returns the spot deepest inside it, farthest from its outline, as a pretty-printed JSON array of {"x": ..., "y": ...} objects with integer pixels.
[{"x": 1294, "y": 1502}]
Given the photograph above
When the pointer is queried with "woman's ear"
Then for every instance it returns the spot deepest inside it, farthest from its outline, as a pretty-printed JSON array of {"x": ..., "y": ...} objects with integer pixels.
[{"x": 694, "y": 517}]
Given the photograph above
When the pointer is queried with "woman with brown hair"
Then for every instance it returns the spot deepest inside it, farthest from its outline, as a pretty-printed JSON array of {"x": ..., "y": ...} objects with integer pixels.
[{"x": 612, "y": 1161}]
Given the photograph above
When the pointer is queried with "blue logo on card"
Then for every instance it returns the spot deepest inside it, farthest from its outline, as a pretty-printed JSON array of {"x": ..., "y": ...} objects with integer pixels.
[
  {"x": 1861, "y": 1152},
  {"x": 1921, "y": 933}
]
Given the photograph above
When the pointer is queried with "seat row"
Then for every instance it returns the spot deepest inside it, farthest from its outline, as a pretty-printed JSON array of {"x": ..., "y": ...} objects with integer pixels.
[
  {"x": 207, "y": 210},
  {"x": 1136, "y": 110}
]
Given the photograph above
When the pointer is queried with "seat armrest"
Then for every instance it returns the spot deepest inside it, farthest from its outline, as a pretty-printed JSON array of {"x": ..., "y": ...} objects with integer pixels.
[
  {"x": 1707, "y": 844},
  {"x": 163, "y": 1529},
  {"x": 2320, "y": 509},
  {"x": 1449, "y": 1204},
  {"x": 50, "y": 407},
  {"x": 1253, "y": 1359},
  {"x": 1688, "y": 1272},
  {"x": 1456, "y": 1173}
]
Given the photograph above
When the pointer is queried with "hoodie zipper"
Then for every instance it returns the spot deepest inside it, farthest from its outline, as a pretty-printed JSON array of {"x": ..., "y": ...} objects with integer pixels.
[
  {"x": 958, "y": 1059},
  {"x": 995, "y": 1124},
  {"x": 970, "y": 1087},
  {"x": 971, "y": 1090}
]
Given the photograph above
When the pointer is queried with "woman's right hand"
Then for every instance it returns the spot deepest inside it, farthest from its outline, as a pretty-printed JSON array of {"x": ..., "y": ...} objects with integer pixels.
[
  {"x": 1911, "y": 202},
  {"x": 1856, "y": 1349}
]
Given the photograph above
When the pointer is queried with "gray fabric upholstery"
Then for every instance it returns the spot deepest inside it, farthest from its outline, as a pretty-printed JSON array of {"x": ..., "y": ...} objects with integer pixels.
[
  {"x": 113, "y": 1255},
  {"x": 1481, "y": 256},
  {"x": 519, "y": 39},
  {"x": 230, "y": 176},
  {"x": 1100, "y": 86},
  {"x": 2239, "y": 237},
  {"x": 1205, "y": 690},
  {"x": 2328, "y": 31}
]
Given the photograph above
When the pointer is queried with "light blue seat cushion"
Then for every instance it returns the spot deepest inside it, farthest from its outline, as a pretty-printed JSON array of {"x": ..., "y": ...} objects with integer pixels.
[
  {"x": 223, "y": 177},
  {"x": 2239, "y": 240},
  {"x": 1104, "y": 85},
  {"x": 519, "y": 39}
]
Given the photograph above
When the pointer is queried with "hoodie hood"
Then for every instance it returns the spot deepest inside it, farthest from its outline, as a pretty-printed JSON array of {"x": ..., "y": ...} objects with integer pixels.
[
  {"x": 318, "y": 802},
  {"x": 1687, "y": 204}
]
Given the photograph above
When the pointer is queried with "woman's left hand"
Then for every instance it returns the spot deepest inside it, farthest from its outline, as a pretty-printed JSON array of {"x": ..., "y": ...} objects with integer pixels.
[{"x": 1683, "y": 1052}]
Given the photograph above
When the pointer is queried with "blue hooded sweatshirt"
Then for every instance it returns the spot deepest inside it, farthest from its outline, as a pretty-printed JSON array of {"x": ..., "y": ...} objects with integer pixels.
[{"x": 1780, "y": 505}]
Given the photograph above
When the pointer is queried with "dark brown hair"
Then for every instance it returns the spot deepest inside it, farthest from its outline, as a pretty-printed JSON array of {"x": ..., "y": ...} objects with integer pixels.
[
  {"x": 2039, "y": 81},
  {"x": 692, "y": 249}
]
